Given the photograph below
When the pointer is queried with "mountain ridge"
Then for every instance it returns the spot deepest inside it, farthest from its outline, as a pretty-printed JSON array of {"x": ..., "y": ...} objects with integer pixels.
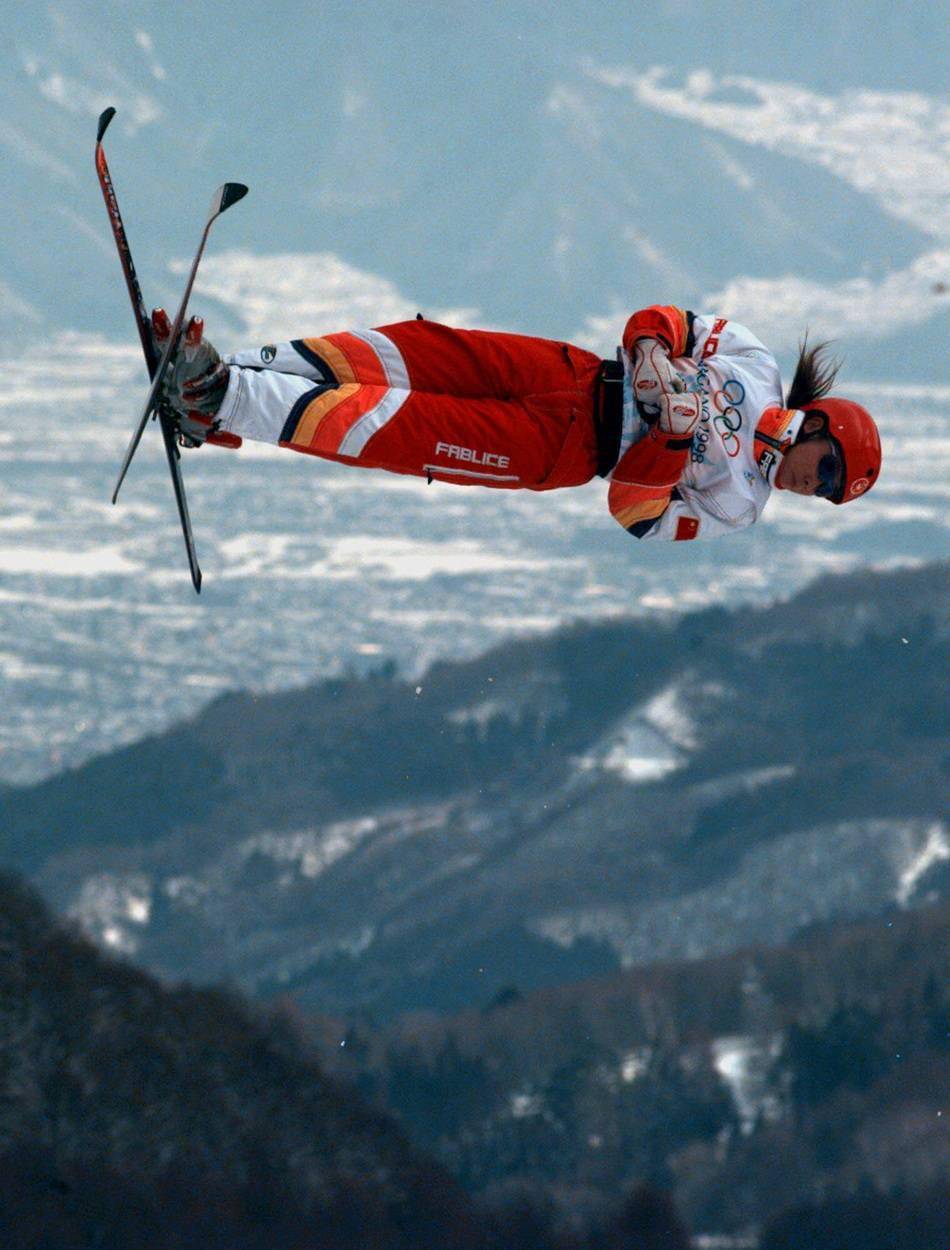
[{"x": 606, "y": 795}]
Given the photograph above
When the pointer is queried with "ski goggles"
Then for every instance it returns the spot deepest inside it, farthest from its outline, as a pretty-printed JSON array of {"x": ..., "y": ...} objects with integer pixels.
[{"x": 830, "y": 474}]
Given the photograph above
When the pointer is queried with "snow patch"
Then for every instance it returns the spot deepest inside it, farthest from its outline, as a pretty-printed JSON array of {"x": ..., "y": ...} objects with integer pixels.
[
  {"x": 634, "y": 751},
  {"x": 731, "y": 167},
  {"x": 94, "y": 234},
  {"x": 352, "y": 944},
  {"x": 742, "y": 782},
  {"x": 50, "y": 562},
  {"x": 147, "y": 44},
  {"x": 893, "y": 146},
  {"x": 744, "y": 1063},
  {"x": 920, "y": 858},
  {"x": 667, "y": 712},
  {"x": 778, "y": 307},
  {"x": 110, "y": 906},
  {"x": 725, "y": 1241},
  {"x": 572, "y": 107},
  {"x": 635, "y": 1063},
  {"x": 653, "y": 740},
  {"x": 402, "y": 559},
  {"x": 15, "y": 668},
  {"x": 13, "y": 308},
  {"x": 311, "y": 851},
  {"x": 846, "y": 870},
  {"x": 482, "y": 714},
  {"x": 189, "y": 891},
  {"x": 602, "y": 923},
  {"x": 628, "y": 760},
  {"x": 26, "y": 149},
  {"x": 524, "y": 1105}
]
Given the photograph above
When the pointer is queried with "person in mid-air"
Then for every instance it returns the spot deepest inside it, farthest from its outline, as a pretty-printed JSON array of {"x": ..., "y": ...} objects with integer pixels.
[{"x": 689, "y": 424}]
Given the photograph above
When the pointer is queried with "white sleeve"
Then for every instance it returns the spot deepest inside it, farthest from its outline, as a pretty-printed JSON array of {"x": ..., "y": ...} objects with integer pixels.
[
  {"x": 290, "y": 357},
  {"x": 718, "y": 336},
  {"x": 263, "y": 405}
]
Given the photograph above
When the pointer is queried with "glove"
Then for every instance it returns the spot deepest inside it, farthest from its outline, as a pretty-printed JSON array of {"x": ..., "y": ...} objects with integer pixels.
[
  {"x": 195, "y": 383},
  {"x": 197, "y": 378},
  {"x": 678, "y": 414},
  {"x": 653, "y": 378}
]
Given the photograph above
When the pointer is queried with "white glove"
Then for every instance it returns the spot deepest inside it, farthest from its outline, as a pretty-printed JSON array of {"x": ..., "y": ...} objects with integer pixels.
[
  {"x": 653, "y": 378},
  {"x": 679, "y": 413}
]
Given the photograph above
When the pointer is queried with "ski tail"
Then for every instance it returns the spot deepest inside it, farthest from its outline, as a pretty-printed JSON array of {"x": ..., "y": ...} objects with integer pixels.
[{"x": 173, "y": 455}]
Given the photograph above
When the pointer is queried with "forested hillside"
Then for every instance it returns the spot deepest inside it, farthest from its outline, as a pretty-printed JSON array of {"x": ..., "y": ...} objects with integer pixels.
[
  {"x": 147, "y": 1117},
  {"x": 141, "y": 1117},
  {"x": 138, "y": 1116},
  {"x": 747, "y": 1084},
  {"x": 606, "y": 796}
]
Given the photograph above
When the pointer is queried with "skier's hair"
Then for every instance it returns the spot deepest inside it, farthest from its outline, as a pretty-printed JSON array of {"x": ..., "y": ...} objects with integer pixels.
[{"x": 815, "y": 374}]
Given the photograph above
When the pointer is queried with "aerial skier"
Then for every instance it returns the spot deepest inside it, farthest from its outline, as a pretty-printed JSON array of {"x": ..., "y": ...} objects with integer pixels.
[{"x": 689, "y": 425}]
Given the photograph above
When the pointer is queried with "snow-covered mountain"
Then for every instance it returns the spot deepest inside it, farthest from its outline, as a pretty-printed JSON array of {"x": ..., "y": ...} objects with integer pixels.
[
  {"x": 488, "y": 164},
  {"x": 609, "y": 796}
]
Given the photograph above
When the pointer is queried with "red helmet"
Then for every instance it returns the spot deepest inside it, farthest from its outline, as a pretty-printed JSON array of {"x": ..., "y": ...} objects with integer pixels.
[{"x": 851, "y": 428}]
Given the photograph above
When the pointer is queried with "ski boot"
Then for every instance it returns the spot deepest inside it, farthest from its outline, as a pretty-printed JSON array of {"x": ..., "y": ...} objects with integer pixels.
[{"x": 195, "y": 384}]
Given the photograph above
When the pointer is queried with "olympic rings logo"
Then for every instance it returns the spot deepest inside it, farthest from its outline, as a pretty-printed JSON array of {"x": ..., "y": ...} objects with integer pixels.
[{"x": 728, "y": 420}]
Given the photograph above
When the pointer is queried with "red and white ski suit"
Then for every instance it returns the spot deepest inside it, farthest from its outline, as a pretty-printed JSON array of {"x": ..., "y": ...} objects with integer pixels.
[{"x": 478, "y": 407}]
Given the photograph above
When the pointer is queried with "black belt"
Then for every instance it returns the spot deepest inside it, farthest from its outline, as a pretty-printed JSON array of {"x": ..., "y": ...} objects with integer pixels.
[{"x": 608, "y": 415}]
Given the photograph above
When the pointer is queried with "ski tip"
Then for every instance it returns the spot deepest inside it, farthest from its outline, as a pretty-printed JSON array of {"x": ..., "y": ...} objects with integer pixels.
[
  {"x": 105, "y": 117},
  {"x": 231, "y": 192},
  {"x": 196, "y": 580}
]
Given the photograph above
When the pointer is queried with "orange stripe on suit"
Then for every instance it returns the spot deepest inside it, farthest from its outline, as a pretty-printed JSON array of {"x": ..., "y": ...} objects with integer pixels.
[
  {"x": 307, "y": 434},
  {"x": 334, "y": 356}
]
